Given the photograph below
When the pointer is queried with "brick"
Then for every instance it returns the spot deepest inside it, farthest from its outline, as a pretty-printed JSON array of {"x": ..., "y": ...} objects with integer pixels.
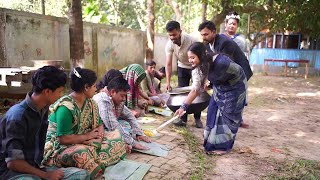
[
  {"x": 159, "y": 170},
  {"x": 158, "y": 161},
  {"x": 168, "y": 167},
  {"x": 172, "y": 175},
  {"x": 152, "y": 175},
  {"x": 167, "y": 138},
  {"x": 177, "y": 161}
]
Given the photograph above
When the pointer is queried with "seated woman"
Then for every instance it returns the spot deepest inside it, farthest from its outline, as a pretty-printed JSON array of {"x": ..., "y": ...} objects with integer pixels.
[
  {"x": 112, "y": 73},
  {"x": 76, "y": 136},
  {"x": 150, "y": 85},
  {"x": 116, "y": 115},
  {"x": 227, "y": 102},
  {"x": 134, "y": 74}
]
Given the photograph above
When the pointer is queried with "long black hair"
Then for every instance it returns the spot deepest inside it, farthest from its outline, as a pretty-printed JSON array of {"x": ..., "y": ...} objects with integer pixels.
[
  {"x": 199, "y": 49},
  {"x": 111, "y": 74},
  {"x": 80, "y": 78}
]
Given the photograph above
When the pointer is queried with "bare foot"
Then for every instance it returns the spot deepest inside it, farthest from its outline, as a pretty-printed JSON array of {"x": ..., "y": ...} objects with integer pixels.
[
  {"x": 244, "y": 125},
  {"x": 217, "y": 152}
]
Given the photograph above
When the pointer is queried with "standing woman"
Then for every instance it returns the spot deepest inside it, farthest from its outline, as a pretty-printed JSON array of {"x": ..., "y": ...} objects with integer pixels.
[
  {"x": 76, "y": 136},
  {"x": 232, "y": 22},
  {"x": 227, "y": 102}
]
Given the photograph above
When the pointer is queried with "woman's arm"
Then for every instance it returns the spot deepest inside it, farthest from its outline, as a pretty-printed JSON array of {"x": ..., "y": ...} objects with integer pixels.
[
  {"x": 64, "y": 131},
  {"x": 191, "y": 96},
  {"x": 79, "y": 138},
  {"x": 144, "y": 96},
  {"x": 195, "y": 88}
]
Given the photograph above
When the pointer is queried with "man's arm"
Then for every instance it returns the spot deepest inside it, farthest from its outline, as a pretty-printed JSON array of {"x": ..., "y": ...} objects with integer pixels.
[
  {"x": 16, "y": 130},
  {"x": 24, "y": 167},
  {"x": 145, "y": 87},
  {"x": 129, "y": 117},
  {"x": 110, "y": 120}
]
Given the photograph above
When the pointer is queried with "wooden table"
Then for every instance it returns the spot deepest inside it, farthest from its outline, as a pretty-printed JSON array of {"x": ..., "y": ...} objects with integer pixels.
[{"x": 286, "y": 61}]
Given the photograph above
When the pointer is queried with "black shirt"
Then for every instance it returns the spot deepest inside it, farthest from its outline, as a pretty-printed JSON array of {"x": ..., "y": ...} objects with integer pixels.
[{"x": 23, "y": 132}]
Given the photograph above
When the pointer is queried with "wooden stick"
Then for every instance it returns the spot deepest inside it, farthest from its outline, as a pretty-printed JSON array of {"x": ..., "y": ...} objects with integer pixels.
[{"x": 168, "y": 122}]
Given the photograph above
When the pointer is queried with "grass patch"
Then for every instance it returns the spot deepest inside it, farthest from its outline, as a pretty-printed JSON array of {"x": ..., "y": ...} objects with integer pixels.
[
  {"x": 298, "y": 169},
  {"x": 199, "y": 157}
]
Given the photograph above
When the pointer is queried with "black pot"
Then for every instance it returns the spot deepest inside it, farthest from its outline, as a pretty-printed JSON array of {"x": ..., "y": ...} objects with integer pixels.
[{"x": 176, "y": 99}]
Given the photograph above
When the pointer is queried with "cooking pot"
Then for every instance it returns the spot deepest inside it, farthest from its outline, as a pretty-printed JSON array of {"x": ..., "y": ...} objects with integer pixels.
[{"x": 178, "y": 96}]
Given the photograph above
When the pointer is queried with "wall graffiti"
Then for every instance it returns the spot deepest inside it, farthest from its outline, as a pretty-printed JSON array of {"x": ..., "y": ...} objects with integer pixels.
[
  {"x": 86, "y": 47},
  {"x": 111, "y": 53},
  {"x": 38, "y": 50}
]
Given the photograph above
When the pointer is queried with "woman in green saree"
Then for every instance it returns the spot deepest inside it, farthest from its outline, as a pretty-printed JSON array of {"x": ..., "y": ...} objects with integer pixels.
[{"x": 76, "y": 136}]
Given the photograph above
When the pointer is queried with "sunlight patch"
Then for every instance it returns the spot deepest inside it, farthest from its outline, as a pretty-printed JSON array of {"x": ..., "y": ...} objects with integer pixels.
[
  {"x": 308, "y": 94},
  {"x": 314, "y": 141},
  {"x": 300, "y": 134},
  {"x": 273, "y": 118}
]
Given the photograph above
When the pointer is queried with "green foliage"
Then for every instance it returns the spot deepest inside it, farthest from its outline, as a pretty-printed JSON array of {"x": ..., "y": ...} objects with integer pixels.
[
  {"x": 274, "y": 15},
  {"x": 52, "y": 7},
  {"x": 92, "y": 12},
  {"x": 199, "y": 159},
  {"x": 296, "y": 170}
]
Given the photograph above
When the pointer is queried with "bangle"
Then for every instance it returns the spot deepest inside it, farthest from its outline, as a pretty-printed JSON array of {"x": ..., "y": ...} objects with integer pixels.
[{"x": 184, "y": 106}]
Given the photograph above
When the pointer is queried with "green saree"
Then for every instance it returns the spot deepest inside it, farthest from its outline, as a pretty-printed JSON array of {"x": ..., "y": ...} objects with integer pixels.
[{"x": 67, "y": 118}]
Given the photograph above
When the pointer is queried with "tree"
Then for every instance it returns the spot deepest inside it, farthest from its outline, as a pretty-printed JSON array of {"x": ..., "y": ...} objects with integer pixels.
[
  {"x": 76, "y": 33},
  {"x": 150, "y": 29},
  {"x": 204, "y": 10}
]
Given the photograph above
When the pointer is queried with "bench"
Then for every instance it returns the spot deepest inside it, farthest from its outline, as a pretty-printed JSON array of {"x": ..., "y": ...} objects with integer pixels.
[{"x": 286, "y": 61}]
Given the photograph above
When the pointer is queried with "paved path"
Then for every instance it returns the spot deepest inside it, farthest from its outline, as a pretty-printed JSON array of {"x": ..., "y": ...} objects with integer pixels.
[{"x": 177, "y": 165}]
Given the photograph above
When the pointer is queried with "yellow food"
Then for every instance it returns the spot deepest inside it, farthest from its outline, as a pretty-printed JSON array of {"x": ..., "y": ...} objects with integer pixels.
[{"x": 148, "y": 133}]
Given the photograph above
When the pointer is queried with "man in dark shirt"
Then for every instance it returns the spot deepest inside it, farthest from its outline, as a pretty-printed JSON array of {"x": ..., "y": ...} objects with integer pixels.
[
  {"x": 222, "y": 44},
  {"x": 23, "y": 130},
  {"x": 216, "y": 43}
]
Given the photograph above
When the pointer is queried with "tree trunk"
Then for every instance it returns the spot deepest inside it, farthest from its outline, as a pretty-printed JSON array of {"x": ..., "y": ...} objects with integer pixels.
[
  {"x": 76, "y": 34},
  {"x": 176, "y": 10},
  {"x": 43, "y": 7},
  {"x": 3, "y": 53},
  {"x": 204, "y": 10},
  {"x": 150, "y": 29}
]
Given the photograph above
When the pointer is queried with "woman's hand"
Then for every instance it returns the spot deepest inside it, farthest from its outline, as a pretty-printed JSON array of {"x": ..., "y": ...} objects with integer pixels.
[
  {"x": 95, "y": 134},
  {"x": 88, "y": 142},
  {"x": 128, "y": 148},
  {"x": 180, "y": 112},
  {"x": 150, "y": 102},
  {"x": 143, "y": 138}
]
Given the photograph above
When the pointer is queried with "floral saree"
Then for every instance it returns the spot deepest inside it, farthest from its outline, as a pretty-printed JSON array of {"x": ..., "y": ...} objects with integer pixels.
[{"x": 94, "y": 157}]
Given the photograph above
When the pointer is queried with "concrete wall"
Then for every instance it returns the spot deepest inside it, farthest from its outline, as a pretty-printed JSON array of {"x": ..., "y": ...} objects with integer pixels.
[
  {"x": 118, "y": 47},
  {"x": 160, "y": 41},
  {"x": 33, "y": 37},
  {"x": 26, "y": 37}
]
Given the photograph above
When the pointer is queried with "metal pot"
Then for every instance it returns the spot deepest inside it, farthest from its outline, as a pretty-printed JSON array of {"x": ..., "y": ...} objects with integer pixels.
[{"x": 178, "y": 96}]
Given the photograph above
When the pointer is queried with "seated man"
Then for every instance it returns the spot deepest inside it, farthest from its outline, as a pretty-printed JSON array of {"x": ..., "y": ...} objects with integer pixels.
[
  {"x": 23, "y": 131},
  {"x": 150, "y": 85},
  {"x": 112, "y": 109},
  {"x": 160, "y": 75}
]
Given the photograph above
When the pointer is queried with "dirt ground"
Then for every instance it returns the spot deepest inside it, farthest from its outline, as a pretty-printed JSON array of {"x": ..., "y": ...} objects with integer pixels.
[{"x": 284, "y": 118}]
